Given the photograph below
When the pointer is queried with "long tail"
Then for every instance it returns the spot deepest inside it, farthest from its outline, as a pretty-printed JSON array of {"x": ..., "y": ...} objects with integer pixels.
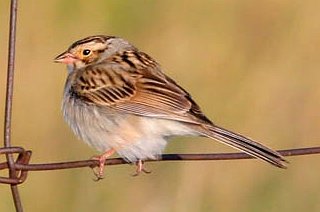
[{"x": 246, "y": 145}]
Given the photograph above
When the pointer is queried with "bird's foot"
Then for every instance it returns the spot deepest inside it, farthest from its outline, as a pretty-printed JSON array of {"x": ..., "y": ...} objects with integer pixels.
[
  {"x": 99, "y": 171},
  {"x": 140, "y": 168}
]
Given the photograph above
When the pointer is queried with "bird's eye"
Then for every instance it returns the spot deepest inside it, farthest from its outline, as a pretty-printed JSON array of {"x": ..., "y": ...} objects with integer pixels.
[{"x": 86, "y": 52}]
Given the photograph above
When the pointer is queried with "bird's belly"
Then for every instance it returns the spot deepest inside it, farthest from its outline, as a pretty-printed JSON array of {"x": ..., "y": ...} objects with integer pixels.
[{"x": 133, "y": 137}]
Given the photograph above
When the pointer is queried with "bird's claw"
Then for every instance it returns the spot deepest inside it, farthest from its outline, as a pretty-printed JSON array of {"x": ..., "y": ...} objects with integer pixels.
[
  {"x": 140, "y": 169},
  {"x": 99, "y": 172}
]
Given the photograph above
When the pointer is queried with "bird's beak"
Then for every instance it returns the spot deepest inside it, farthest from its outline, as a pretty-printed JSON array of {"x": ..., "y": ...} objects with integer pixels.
[{"x": 65, "y": 57}]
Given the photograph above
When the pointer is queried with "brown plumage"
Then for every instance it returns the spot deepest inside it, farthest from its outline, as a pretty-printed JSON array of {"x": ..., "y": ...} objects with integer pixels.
[{"x": 118, "y": 98}]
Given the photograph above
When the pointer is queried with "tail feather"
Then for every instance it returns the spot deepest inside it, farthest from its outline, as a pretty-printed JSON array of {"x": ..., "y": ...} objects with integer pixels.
[{"x": 246, "y": 145}]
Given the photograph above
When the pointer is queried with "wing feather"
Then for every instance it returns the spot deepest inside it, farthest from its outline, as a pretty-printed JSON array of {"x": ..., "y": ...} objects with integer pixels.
[{"x": 140, "y": 92}]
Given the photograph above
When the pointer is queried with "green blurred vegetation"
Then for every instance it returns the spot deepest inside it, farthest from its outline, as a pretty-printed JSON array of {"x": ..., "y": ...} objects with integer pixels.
[{"x": 253, "y": 66}]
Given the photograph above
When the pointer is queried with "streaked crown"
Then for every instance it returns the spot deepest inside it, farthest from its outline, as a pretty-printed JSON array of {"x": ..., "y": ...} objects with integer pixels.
[{"x": 92, "y": 49}]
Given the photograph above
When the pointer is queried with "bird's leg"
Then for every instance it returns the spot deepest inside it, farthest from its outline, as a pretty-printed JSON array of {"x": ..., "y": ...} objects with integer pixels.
[
  {"x": 102, "y": 159},
  {"x": 140, "y": 168}
]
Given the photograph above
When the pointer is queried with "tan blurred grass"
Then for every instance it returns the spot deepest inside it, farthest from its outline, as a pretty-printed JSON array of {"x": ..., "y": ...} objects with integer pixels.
[{"x": 253, "y": 66}]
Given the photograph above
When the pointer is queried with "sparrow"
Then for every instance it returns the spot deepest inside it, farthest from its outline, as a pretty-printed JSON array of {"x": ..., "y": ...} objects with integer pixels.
[{"x": 118, "y": 99}]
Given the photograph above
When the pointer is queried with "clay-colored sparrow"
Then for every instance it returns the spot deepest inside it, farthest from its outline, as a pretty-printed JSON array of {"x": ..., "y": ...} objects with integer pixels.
[{"x": 118, "y": 99}]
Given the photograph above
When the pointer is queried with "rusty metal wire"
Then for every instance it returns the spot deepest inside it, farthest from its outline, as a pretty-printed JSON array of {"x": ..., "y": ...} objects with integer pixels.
[
  {"x": 23, "y": 158},
  {"x": 22, "y": 165},
  {"x": 8, "y": 106},
  {"x": 19, "y": 167}
]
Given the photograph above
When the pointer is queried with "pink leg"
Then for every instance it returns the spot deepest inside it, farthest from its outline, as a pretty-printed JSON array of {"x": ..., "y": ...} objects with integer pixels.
[
  {"x": 140, "y": 168},
  {"x": 102, "y": 159}
]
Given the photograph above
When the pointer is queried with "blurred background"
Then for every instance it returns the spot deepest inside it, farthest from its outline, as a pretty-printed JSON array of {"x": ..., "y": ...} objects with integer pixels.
[{"x": 253, "y": 66}]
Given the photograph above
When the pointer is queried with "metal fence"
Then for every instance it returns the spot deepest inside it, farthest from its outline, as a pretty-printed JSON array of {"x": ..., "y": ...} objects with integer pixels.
[{"x": 17, "y": 158}]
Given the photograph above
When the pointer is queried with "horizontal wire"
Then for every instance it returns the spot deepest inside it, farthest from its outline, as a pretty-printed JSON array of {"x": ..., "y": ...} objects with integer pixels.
[{"x": 164, "y": 157}]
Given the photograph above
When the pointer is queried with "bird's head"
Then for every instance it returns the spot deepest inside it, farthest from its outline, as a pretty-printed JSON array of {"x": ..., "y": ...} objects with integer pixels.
[{"x": 91, "y": 50}]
